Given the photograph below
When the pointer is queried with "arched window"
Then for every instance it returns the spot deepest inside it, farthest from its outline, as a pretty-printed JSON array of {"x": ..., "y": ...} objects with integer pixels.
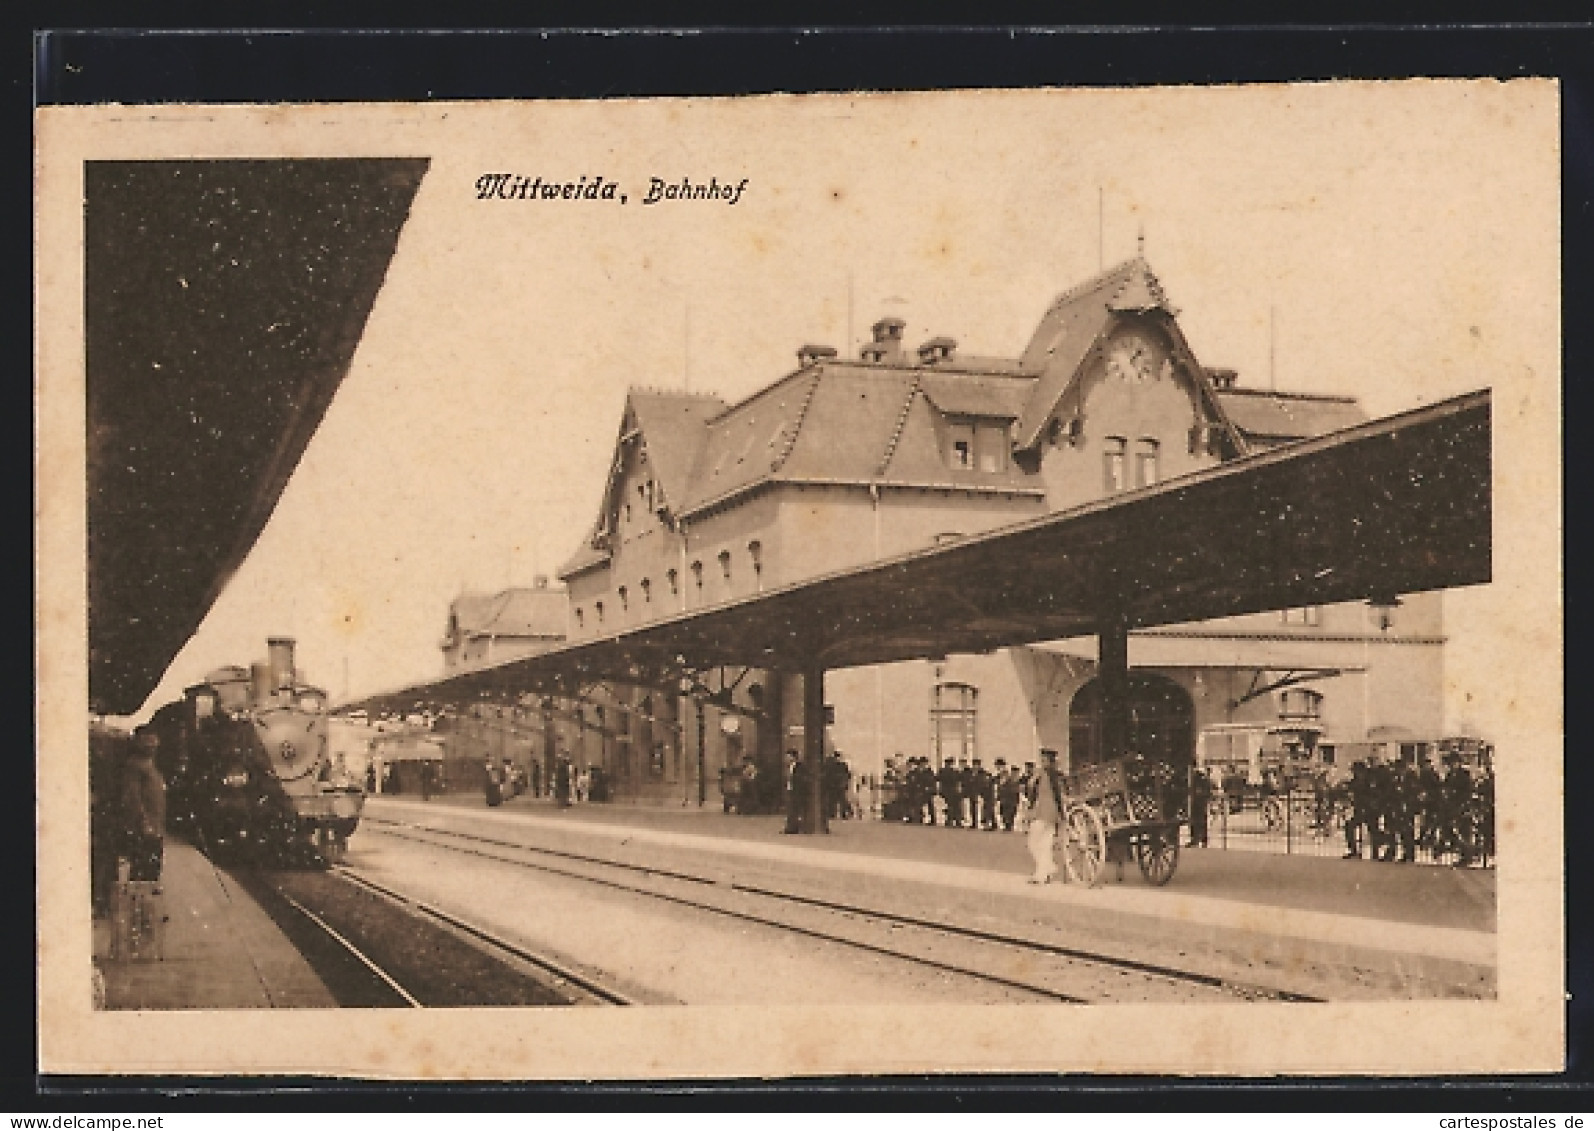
[
  {"x": 581, "y": 620},
  {"x": 725, "y": 564},
  {"x": 697, "y": 577},
  {"x": 647, "y": 591},
  {"x": 675, "y": 581},
  {"x": 625, "y": 602},
  {"x": 597, "y": 607},
  {"x": 952, "y": 722},
  {"x": 1113, "y": 472},
  {"x": 755, "y": 551}
]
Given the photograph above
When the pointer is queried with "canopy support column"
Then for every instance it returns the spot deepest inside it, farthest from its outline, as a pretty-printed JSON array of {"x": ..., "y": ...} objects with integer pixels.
[
  {"x": 1113, "y": 658},
  {"x": 702, "y": 754},
  {"x": 813, "y": 809}
]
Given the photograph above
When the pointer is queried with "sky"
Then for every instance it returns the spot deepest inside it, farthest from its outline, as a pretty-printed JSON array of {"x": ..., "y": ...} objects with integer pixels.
[{"x": 1395, "y": 242}]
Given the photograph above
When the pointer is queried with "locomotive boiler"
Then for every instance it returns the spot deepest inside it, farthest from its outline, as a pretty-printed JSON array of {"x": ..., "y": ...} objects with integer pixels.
[{"x": 248, "y": 772}]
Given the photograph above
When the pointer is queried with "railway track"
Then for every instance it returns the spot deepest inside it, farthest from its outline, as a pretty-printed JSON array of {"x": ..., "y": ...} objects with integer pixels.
[
  {"x": 583, "y": 988},
  {"x": 377, "y": 947},
  {"x": 991, "y": 957}
]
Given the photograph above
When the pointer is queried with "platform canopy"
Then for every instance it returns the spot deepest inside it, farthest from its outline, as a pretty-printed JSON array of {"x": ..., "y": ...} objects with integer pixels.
[
  {"x": 1397, "y": 505},
  {"x": 223, "y": 303}
]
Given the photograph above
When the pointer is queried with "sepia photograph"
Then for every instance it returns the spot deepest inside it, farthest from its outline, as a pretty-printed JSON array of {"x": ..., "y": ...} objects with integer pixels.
[{"x": 543, "y": 590}]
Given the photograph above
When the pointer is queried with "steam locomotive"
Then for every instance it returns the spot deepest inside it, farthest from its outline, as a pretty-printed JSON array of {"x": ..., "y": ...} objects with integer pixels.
[{"x": 248, "y": 775}]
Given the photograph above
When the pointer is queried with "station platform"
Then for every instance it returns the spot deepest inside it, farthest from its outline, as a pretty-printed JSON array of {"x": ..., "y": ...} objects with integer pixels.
[
  {"x": 221, "y": 950},
  {"x": 1412, "y": 921}
]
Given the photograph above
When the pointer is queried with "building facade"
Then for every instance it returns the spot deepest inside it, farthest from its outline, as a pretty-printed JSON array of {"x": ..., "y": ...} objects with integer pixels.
[
  {"x": 848, "y": 460},
  {"x": 490, "y": 628}
]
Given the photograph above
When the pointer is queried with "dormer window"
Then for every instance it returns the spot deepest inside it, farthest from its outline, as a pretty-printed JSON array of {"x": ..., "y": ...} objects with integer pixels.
[
  {"x": 990, "y": 446},
  {"x": 960, "y": 446}
]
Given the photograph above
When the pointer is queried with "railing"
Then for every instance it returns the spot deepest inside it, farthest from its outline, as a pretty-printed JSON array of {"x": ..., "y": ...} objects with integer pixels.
[{"x": 1323, "y": 821}]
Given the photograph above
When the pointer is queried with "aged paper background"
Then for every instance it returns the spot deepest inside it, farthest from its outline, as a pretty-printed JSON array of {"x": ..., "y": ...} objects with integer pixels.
[{"x": 985, "y": 200}]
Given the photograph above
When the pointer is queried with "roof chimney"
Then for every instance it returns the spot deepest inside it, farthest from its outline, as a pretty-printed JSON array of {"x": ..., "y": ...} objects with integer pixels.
[
  {"x": 810, "y": 354},
  {"x": 887, "y": 344},
  {"x": 936, "y": 350},
  {"x": 1222, "y": 379},
  {"x": 888, "y": 329}
]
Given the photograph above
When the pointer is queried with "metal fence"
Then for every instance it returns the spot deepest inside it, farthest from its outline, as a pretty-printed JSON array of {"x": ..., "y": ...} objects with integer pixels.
[{"x": 1313, "y": 821}]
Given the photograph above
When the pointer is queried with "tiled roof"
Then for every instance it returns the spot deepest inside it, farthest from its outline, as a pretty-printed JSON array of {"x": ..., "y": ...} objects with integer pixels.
[
  {"x": 1263, "y": 416},
  {"x": 511, "y": 612},
  {"x": 749, "y": 440}
]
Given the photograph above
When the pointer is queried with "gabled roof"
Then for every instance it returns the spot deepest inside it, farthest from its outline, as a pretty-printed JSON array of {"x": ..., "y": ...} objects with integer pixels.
[
  {"x": 672, "y": 428},
  {"x": 1264, "y": 417},
  {"x": 1072, "y": 326},
  {"x": 518, "y": 611}
]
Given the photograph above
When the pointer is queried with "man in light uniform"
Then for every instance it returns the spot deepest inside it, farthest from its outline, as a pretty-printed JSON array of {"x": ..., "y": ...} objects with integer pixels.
[{"x": 1045, "y": 813}]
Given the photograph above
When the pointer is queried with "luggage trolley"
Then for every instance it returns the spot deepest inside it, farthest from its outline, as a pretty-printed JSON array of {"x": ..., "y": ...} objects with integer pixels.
[{"x": 1121, "y": 809}]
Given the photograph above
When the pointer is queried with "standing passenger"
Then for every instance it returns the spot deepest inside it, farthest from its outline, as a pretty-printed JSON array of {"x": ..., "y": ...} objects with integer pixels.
[
  {"x": 1008, "y": 790},
  {"x": 793, "y": 802},
  {"x": 1045, "y": 813},
  {"x": 1200, "y": 795},
  {"x": 143, "y": 808}
]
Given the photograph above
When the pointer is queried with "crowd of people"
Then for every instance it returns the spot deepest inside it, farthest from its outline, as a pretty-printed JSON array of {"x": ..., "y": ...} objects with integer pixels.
[
  {"x": 1395, "y": 809},
  {"x": 961, "y": 794},
  {"x": 1387, "y": 810}
]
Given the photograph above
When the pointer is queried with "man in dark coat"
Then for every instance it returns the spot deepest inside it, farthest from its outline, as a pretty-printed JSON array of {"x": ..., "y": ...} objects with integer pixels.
[
  {"x": 836, "y": 777},
  {"x": 143, "y": 808},
  {"x": 923, "y": 791},
  {"x": 1360, "y": 810},
  {"x": 951, "y": 786},
  {"x": 793, "y": 776},
  {"x": 982, "y": 809},
  {"x": 1200, "y": 795},
  {"x": 1008, "y": 789},
  {"x": 561, "y": 782}
]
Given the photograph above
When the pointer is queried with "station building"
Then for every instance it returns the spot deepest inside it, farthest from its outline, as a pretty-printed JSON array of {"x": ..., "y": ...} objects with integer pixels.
[{"x": 847, "y": 460}]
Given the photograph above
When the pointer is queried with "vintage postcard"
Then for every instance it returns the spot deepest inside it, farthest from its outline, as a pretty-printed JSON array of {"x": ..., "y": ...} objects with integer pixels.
[{"x": 1040, "y": 581}]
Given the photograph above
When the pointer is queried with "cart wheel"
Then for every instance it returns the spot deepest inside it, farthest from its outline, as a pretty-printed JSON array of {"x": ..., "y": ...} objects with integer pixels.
[
  {"x": 1158, "y": 857},
  {"x": 1084, "y": 846},
  {"x": 1273, "y": 814}
]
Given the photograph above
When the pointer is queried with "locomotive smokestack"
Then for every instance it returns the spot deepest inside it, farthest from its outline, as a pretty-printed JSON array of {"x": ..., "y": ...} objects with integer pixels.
[
  {"x": 281, "y": 652},
  {"x": 260, "y": 683}
]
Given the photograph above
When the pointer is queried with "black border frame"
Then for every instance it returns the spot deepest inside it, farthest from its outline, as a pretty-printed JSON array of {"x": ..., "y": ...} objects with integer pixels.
[{"x": 360, "y": 61}]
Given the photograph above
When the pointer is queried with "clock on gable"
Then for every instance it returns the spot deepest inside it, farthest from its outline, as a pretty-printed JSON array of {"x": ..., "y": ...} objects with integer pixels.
[{"x": 1134, "y": 357}]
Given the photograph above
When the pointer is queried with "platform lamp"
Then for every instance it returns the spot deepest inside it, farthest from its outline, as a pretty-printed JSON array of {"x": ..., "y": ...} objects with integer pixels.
[{"x": 1383, "y": 607}]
